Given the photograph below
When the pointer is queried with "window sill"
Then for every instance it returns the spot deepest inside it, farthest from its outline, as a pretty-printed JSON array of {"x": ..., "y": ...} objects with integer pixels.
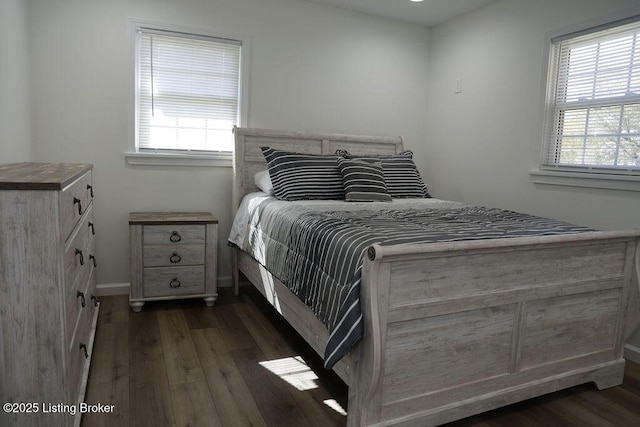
[
  {"x": 589, "y": 180},
  {"x": 171, "y": 159}
]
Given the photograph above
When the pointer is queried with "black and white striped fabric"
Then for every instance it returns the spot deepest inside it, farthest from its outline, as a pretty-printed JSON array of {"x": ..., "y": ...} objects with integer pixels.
[
  {"x": 401, "y": 175},
  {"x": 318, "y": 253},
  {"x": 298, "y": 176},
  {"x": 363, "y": 181}
]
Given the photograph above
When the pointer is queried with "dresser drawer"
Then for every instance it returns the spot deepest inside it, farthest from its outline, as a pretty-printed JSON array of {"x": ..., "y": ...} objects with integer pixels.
[
  {"x": 173, "y": 234},
  {"x": 75, "y": 312},
  {"x": 169, "y": 281},
  {"x": 74, "y": 201},
  {"x": 78, "y": 358},
  {"x": 172, "y": 255},
  {"x": 79, "y": 252}
]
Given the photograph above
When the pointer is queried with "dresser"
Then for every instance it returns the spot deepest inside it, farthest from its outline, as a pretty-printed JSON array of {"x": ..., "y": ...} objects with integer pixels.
[
  {"x": 173, "y": 255},
  {"x": 48, "y": 303}
]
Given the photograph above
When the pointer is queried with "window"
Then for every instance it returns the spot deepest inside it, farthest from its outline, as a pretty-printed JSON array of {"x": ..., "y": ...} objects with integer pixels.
[
  {"x": 592, "y": 109},
  {"x": 187, "y": 94}
]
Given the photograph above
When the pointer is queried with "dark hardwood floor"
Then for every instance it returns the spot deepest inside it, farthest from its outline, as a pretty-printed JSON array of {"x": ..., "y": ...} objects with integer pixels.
[{"x": 240, "y": 364}]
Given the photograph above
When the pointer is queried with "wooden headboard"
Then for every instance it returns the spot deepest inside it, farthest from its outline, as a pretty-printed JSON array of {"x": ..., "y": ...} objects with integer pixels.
[{"x": 248, "y": 158}]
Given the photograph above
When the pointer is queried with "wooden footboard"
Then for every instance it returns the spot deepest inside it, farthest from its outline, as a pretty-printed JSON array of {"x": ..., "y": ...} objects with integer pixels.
[{"x": 456, "y": 329}]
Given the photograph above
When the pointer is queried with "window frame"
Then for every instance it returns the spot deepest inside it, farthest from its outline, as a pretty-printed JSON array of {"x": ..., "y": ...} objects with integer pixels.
[
  {"x": 135, "y": 156},
  {"x": 578, "y": 175}
]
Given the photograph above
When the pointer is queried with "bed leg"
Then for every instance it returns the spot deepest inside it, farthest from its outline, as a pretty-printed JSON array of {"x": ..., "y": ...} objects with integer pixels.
[{"x": 611, "y": 377}]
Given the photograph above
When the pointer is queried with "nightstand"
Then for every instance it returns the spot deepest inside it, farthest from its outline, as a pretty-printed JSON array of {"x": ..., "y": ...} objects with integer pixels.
[{"x": 173, "y": 255}]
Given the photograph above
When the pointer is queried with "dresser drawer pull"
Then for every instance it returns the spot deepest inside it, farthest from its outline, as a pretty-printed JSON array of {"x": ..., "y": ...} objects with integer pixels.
[
  {"x": 79, "y": 252},
  {"x": 83, "y": 347},
  {"x": 175, "y": 283},
  {"x": 90, "y": 188},
  {"x": 175, "y": 237},
  {"x": 93, "y": 259},
  {"x": 175, "y": 258},
  {"x": 95, "y": 300},
  {"x": 93, "y": 229},
  {"x": 79, "y": 203},
  {"x": 81, "y": 296}
]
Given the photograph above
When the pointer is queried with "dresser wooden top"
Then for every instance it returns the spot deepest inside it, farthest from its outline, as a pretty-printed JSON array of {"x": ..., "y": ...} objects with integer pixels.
[
  {"x": 168, "y": 218},
  {"x": 40, "y": 176}
]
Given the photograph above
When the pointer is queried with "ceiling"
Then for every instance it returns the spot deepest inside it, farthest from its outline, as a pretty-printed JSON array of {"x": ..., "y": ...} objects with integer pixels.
[{"x": 428, "y": 12}]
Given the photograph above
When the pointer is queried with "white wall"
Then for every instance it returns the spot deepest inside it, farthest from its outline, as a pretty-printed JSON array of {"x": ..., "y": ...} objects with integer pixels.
[
  {"x": 313, "y": 68},
  {"x": 483, "y": 141},
  {"x": 15, "y": 139}
]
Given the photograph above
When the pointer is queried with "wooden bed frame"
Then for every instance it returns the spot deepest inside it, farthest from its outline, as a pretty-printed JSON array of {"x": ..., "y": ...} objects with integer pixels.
[{"x": 455, "y": 329}]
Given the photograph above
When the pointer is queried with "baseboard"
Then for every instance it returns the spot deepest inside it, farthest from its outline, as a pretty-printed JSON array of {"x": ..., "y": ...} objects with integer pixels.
[
  {"x": 631, "y": 352},
  {"x": 108, "y": 289}
]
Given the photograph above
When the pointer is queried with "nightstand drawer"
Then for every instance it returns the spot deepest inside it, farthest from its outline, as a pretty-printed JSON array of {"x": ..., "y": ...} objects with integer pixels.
[
  {"x": 173, "y": 234},
  {"x": 164, "y": 281},
  {"x": 172, "y": 255}
]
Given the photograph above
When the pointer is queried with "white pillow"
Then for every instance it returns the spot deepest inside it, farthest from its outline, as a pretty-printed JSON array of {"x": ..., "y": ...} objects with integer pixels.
[{"x": 263, "y": 181}]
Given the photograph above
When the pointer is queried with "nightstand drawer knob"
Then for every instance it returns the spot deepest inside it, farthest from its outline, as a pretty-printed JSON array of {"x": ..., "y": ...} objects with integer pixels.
[
  {"x": 175, "y": 237},
  {"x": 95, "y": 300},
  {"x": 93, "y": 259},
  {"x": 175, "y": 258},
  {"x": 93, "y": 229},
  {"x": 175, "y": 283},
  {"x": 90, "y": 188}
]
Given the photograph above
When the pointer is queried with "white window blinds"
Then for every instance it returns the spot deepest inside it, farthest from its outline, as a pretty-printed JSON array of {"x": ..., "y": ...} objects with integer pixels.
[
  {"x": 187, "y": 92},
  {"x": 594, "y": 101}
]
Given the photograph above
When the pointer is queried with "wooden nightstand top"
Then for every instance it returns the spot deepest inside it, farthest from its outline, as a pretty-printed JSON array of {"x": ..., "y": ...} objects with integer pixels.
[{"x": 168, "y": 218}]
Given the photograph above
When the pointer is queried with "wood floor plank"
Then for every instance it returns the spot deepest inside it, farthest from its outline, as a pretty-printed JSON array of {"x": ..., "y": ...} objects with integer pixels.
[
  {"x": 270, "y": 394},
  {"x": 234, "y": 402},
  {"x": 615, "y": 405},
  {"x": 145, "y": 342},
  {"x": 278, "y": 326},
  {"x": 183, "y": 365},
  {"x": 193, "y": 405},
  {"x": 631, "y": 381},
  {"x": 275, "y": 348},
  {"x": 509, "y": 416},
  {"x": 149, "y": 395},
  {"x": 109, "y": 380},
  {"x": 114, "y": 309},
  {"x": 272, "y": 344},
  {"x": 201, "y": 317},
  {"x": 571, "y": 413},
  {"x": 235, "y": 333}
]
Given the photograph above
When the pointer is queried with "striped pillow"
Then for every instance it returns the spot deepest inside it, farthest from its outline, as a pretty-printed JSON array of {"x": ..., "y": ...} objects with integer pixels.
[
  {"x": 299, "y": 176},
  {"x": 363, "y": 181},
  {"x": 400, "y": 174}
]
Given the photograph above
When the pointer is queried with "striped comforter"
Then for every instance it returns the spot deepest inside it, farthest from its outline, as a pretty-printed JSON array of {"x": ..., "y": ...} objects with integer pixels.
[{"x": 316, "y": 249}]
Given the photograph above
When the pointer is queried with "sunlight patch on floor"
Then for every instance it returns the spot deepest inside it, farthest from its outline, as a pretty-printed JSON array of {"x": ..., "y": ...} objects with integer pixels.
[
  {"x": 333, "y": 404},
  {"x": 293, "y": 370}
]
